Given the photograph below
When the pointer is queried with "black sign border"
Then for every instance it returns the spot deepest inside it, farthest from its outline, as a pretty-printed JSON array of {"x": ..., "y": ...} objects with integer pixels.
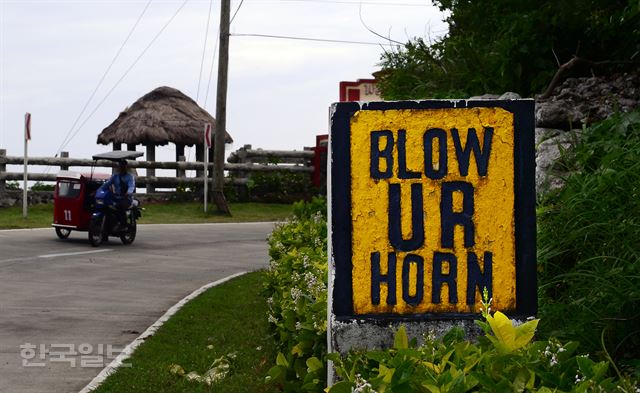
[{"x": 524, "y": 190}]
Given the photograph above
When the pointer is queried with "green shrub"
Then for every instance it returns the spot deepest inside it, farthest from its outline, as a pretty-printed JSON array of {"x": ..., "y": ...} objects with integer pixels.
[
  {"x": 503, "y": 360},
  {"x": 279, "y": 186},
  {"x": 297, "y": 289},
  {"x": 39, "y": 186},
  {"x": 589, "y": 244},
  {"x": 493, "y": 46},
  {"x": 452, "y": 364},
  {"x": 12, "y": 185}
]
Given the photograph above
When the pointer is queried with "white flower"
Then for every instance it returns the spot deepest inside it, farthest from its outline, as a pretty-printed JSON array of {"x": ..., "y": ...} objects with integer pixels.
[
  {"x": 295, "y": 293},
  {"x": 362, "y": 386},
  {"x": 554, "y": 360}
]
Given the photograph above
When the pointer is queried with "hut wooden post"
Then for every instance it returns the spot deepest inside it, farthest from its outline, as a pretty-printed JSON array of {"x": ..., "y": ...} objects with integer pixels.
[
  {"x": 151, "y": 172},
  {"x": 64, "y": 154},
  {"x": 3, "y": 168},
  {"x": 199, "y": 158},
  {"x": 179, "y": 153}
]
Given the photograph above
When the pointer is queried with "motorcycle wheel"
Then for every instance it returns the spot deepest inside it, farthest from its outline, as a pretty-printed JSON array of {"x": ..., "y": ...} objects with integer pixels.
[
  {"x": 96, "y": 229},
  {"x": 130, "y": 236},
  {"x": 63, "y": 233}
]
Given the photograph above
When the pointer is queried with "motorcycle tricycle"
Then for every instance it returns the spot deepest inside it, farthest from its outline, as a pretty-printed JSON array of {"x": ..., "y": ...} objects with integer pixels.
[{"x": 80, "y": 204}]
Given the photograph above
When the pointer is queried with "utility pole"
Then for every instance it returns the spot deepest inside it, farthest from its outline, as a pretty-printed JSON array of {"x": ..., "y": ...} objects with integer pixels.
[{"x": 217, "y": 190}]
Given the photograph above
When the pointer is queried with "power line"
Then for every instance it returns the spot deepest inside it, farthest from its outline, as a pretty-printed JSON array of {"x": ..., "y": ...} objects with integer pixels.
[
  {"x": 128, "y": 70},
  {"x": 236, "y": 12},
  {"x": 213, "y": 62},
  {"x": 310, "y": 39},
  {"x": 104, "y": 75},
  {"x": 373, "y": 32},
  {"x": 204, "y": 49}
]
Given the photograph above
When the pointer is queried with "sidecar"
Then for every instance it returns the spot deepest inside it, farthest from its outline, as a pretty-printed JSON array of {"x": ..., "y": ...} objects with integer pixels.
[{"x": 72, "y": 201}]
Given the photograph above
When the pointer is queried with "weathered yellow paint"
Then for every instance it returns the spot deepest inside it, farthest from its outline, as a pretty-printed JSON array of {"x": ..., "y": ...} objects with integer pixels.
[{"x": 493, "y": 216}]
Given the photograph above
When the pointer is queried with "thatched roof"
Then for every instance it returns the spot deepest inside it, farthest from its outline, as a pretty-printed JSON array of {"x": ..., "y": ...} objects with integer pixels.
[{"x": 159, "y": 117}]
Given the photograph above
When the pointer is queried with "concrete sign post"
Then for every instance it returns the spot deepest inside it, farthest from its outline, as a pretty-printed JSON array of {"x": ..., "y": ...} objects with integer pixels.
[{"x": 431, "y": 202}]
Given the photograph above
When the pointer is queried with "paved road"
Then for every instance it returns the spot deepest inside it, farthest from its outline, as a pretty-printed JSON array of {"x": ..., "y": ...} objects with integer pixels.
[{"x": 52, "y": 292}]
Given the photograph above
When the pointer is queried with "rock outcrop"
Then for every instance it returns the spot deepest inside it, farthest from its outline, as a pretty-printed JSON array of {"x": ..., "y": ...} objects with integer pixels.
[
  {"x": 576, "y": 103},
  {"x": 560, "y": 118},
  {"x": 582, "y": 101}
]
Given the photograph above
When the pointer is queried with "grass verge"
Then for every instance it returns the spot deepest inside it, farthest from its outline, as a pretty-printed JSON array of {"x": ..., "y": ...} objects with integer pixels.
[
  {"x": 180, "y": 212},
  {"x": 41, "y": 216},
  {"x": 226, "y": 319}
]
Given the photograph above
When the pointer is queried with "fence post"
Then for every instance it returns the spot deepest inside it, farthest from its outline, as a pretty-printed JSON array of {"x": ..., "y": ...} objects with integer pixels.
[
  {"x": 3, "y": 168},
  {"x": 64, "y": 154}
]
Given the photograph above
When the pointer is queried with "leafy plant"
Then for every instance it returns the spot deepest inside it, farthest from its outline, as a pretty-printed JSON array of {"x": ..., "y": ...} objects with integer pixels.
[
  {"x": 505, "y": 360},
  {"x": 39, "y": 186},
  {"x": 507, "y": 336},
  {"x": 279, "y": 186},
  {"x": 297, "y": 289},
  {"x": 588, "y": 248},
  {"x": 12, "y": 185}
]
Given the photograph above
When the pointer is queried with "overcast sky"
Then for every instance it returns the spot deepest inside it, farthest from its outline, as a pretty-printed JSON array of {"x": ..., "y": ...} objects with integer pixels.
[{"x": 54, "y": 53}]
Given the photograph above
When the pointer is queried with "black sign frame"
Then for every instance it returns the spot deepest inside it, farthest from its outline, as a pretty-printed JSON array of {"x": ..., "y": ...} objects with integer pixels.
[{"x": 524, "y": 204}]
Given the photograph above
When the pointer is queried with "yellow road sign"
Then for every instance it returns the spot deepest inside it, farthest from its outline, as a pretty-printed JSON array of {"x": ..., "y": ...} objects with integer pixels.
[{"x": 437, "y": 198}]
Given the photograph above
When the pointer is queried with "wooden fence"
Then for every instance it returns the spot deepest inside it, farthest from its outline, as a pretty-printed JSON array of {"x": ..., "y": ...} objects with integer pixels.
[{"x": 251, "y": 161}]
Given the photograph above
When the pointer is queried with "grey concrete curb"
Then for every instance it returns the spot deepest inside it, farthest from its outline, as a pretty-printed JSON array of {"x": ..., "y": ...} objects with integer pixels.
[{"x": 130, "y": 349}]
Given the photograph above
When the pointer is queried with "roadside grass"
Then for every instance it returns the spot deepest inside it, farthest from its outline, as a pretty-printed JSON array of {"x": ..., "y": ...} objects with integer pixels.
[
  {"x": 41, "y": 216},
  {"x": 192, "y": 212},
  {"x": 231, "y": 319}
]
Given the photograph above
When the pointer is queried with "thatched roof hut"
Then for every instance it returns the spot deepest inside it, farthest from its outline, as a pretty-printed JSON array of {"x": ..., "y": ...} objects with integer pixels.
[{"x": 162, "y": 116}]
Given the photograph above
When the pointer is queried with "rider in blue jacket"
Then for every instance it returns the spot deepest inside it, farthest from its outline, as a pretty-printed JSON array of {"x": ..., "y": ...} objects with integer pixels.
[{"x": 123, "y": 185}]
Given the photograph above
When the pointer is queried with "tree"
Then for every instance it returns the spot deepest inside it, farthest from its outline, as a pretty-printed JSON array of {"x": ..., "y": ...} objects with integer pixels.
[{"x": 513, "y": 45}]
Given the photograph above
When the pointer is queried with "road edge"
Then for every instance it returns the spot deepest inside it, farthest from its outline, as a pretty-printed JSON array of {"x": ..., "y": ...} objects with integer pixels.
[
  {"x": 151, "y": 330},
  {"x": 156, "y": 224}
]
